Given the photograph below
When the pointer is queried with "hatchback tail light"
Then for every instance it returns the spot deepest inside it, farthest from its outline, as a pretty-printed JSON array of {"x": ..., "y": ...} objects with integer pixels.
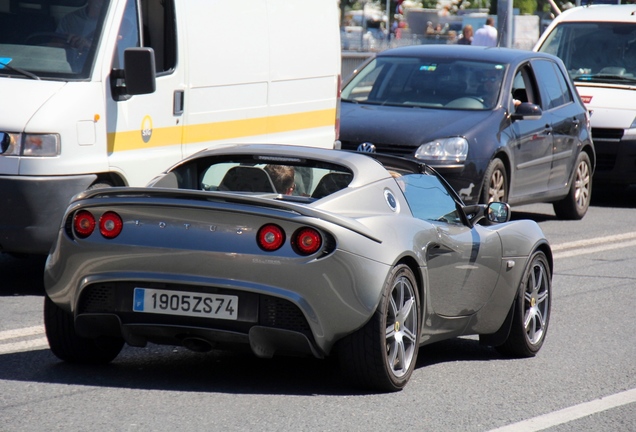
[
  {"x": 110, "y": 225},
  {"x": 306, "y": 241},
  {"x": 83, "y": 223},
  {"x": 270, "y": 237}
]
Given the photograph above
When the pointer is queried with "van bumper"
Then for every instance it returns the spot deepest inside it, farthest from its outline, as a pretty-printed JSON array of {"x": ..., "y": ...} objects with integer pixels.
[
  {"x": 32, "y": 209},
  {"x": 615, "y": 156}
]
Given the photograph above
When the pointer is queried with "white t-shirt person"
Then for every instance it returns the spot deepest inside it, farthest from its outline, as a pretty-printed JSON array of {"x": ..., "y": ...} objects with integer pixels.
[{"x": 487, "y": 35}]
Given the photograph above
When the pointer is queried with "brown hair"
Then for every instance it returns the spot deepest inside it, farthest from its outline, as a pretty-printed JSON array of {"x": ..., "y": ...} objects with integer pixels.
[{"x": 282, "y": 176}]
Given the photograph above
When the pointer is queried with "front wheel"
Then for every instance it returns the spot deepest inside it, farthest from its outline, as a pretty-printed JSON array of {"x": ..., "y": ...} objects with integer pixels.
[
  {"x": 382, "y": 354},
  {"x": 67, "y": 345},
  {"x": 575, "y": 204},
  {"x": 495, "y": 187},
  {"x": 531, "y": 310}
]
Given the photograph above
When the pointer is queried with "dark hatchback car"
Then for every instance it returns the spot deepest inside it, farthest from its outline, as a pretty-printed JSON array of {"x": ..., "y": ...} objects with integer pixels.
[{"x": 500, "y": 124}]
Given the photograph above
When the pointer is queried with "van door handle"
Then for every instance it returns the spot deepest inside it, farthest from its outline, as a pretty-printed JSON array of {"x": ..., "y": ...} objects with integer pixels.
[{"x": 178, "y": 102}]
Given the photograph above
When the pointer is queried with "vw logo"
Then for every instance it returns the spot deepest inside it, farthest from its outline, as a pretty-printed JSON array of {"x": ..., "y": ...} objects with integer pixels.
[{"x": 366, "y": 147}]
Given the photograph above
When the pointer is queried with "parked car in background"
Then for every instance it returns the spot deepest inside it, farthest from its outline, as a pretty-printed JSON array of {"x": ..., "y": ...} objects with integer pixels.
[
  {"x": 598, "y": 47},
  {"x": 499, "y": 124},
  {"x": 367, "y": 259}
]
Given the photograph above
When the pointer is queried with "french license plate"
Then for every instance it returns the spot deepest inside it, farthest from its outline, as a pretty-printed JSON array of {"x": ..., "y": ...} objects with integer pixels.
[{"x": 192, "y": 304}]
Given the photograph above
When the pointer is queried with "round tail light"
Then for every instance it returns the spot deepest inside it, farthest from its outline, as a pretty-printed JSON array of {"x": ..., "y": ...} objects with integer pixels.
[
  {"x": 270, "y": 237},
  {"x": 307, "y": 241},
  {"x": 83, "y": 223},
  {"x": 110, "y": 225}
]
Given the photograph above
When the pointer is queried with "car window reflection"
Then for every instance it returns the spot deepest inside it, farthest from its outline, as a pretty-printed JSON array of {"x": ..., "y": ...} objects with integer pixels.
[{"x": 428, "y": 198}]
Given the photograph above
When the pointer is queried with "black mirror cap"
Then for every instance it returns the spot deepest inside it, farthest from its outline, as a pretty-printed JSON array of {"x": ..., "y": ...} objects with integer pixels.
[
  {"x": 527, "y": 111},
  {"x": 139, "y": 71}
]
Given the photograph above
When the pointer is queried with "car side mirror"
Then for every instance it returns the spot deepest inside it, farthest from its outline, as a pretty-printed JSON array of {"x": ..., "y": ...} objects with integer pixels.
[
  {"x": 498, "y": 212},
  {"x": 527, "y": 111},
  {"x": 138, "y": 76}
]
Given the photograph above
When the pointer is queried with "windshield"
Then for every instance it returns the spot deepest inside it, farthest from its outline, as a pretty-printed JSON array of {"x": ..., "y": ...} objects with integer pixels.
[
  {"x": 427, "y": 83},
  {"x": 595, "y": 52},
  {"x": 50, "y": 38}
]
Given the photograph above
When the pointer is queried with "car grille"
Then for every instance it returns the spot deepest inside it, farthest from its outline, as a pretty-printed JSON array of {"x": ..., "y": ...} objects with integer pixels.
[
  {"x": 97, "y": 299},
  {"x": 390, "y": 149}
]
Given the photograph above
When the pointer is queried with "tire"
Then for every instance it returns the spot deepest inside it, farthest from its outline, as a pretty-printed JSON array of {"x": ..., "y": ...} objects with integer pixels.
[
  {"x": 575, "y": 204},
  {"x": 531, "y": 313},
  {"x": 495, "y": 183},
  {"x": 99, "y": 185},
  {"x": 382, "y": 354},
  {"x": 68, "y": 346}
]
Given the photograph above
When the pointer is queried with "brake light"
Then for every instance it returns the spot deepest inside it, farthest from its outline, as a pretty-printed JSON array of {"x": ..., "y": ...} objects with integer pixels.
[
  {"x": 110, "y": 225},
  {"x": 306, "y": 241},
  {"x": 270, "y": 237},
  {"x": 83, "y": 223}
]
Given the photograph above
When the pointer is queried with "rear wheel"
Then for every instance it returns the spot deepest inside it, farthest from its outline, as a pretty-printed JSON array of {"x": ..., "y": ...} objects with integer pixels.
[
  {"x": 67, "y": 345},
  {"x": 382, "y": 354},
  {"x": 575, "y": 204},
  {"x": 495, "y": 187},
  {"x": 531, "y": 310}
]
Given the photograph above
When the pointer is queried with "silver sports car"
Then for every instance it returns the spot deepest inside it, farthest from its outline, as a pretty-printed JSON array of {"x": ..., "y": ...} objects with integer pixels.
[{"x": 295, "y": 250}]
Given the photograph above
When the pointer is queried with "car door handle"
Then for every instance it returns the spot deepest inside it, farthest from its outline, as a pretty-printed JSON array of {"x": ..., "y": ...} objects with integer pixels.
[
  {"x": 576, "y": 122},
  {"x": 548, "y": 129}
]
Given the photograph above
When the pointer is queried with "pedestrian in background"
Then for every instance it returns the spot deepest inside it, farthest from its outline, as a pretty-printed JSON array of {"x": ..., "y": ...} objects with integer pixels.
[
  {"x": 466, "y": 37},
  {"x": 487, "y": 35}
]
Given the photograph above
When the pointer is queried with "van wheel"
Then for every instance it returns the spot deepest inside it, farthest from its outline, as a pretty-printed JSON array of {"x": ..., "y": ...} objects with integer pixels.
[
  {"x": 67, "y": 345},
  {"x": 382, "y": 354},
  {"x": 99, "y": 185},
  {"x": 495, "y": 183},
  {"x": 575, "y": 204}
]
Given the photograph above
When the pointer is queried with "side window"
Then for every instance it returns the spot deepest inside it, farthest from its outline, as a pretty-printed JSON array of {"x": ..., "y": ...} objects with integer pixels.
[
  {"x": 159, "y": 32},
  {"x": 129, "y": 34},
  {"x": 428, "y": 198},
  {"x": 554, "y": 89},
  {"x": 524, "y": 87}
]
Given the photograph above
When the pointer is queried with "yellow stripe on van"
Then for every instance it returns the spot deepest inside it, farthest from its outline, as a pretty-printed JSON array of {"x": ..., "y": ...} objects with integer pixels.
[{"x": 134, "y": 140}]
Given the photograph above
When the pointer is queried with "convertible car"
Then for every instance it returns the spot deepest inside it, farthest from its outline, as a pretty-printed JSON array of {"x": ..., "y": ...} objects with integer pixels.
[{"x": 364, "y": 257}]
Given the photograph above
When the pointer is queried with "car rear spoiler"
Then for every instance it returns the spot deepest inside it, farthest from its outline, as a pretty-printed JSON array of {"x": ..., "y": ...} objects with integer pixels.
[{"x": 127, "y": 195}]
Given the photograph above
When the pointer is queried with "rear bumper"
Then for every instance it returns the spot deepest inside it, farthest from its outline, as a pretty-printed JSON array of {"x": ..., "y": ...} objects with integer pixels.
[{"x": 616, "y": 157}]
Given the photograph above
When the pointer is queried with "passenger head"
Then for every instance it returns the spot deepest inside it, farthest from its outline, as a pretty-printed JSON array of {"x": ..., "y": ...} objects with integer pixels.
[{"x": 283, "y": 178}]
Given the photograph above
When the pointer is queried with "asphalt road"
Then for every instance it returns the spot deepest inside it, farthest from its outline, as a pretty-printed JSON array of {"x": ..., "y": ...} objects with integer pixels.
[{"x": 584, "y": 378}]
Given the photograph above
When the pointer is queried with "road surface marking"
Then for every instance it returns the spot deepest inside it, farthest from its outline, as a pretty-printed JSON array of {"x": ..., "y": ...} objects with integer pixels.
[
  {"x": 594, "y": 245},
  {"x": 23, "y": 345},
  {"x": 572, "y": 413}
]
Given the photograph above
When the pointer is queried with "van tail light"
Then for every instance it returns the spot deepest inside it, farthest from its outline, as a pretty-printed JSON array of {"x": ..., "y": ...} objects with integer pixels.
[
  {"x": 83, "y": 223},
  {"x": 306, "y": 241},
  {"x": 270, "y": 237},
  {"x": 110, "y": 225}
]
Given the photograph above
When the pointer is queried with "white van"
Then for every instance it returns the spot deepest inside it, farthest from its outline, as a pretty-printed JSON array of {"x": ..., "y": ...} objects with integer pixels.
[
  {"x": 598, "y": 46},
  {"x": 120, "y": 90}
]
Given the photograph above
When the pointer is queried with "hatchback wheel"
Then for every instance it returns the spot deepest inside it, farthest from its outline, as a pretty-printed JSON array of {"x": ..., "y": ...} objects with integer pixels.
[
  {"x": 531, "y": 310},
  {"x": 495, "y": 187},
  {"x": 67, "y": 345},
  {"x": 575, "y": 204},
  {"x": 382, "y": 354}
]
